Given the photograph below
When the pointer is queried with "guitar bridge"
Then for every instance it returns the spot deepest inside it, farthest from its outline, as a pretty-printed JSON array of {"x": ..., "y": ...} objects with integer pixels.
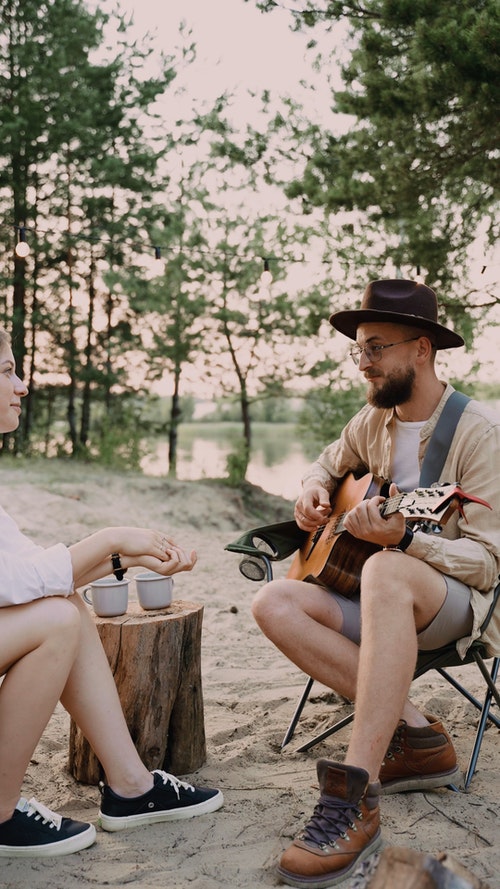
[{"x": 315, "y": 538}]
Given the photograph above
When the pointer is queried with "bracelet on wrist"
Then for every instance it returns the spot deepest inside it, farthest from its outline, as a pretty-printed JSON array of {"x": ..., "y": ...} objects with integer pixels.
[
  {"x": 118, "y": 570},
  {"x": 405, "y": 540},
  {"x": 403, "y": 544}
]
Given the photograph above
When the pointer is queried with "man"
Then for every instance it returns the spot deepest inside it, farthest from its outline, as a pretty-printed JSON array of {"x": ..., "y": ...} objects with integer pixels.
[{"x": 418, "y": 591}]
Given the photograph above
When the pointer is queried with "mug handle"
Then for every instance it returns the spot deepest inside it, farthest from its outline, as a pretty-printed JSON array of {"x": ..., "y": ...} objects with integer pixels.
[{"x": 84, "y": 594}]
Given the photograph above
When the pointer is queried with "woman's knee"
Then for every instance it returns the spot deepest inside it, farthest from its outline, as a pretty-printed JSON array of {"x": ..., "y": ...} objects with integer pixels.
[
  {"x": 52, "y": 624},
  {"x": 59, "y": 619}
]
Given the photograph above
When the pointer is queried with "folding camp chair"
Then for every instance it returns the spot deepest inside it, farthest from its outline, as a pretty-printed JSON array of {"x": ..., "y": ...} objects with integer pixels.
[{"x": 261, "y": 547}]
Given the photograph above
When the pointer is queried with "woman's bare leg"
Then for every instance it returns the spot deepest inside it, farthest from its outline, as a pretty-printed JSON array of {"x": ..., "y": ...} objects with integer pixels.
[
  {"x": 38, "y": 644},
  {"x": 91, "y": 698}
]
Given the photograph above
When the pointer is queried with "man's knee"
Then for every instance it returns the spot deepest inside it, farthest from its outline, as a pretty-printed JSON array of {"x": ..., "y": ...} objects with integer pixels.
[
  {"x": 385, "y": 580},
  {"x": 270, "y": 602}
]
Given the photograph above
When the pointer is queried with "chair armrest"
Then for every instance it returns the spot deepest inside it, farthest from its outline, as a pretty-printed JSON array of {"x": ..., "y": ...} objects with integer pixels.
[{"x": 277, "y": 541}]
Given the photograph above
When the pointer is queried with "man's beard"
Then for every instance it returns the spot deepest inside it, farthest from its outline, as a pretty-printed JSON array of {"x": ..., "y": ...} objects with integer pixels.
[{"x": 396, "y": 389}]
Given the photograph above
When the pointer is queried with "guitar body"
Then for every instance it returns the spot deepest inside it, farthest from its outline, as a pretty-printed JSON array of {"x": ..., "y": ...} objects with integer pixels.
[{"x": 332, "y": 556}]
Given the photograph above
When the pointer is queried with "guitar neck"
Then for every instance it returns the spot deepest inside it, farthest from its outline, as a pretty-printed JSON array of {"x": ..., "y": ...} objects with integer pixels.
[
  {"x": 424, "y": 504},
  {"x": 387, "y": 508}
]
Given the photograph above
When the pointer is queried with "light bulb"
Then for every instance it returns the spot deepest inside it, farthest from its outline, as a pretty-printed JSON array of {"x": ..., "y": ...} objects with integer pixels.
[
  {"x": 266, "y": 276},
  {"x": 22, "y": 249}
]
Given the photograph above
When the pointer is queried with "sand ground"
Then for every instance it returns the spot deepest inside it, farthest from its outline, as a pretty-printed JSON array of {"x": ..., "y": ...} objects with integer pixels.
[{"x": 250, "y": 691}]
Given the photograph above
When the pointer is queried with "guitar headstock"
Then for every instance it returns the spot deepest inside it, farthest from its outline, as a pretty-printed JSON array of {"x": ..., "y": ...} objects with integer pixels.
[{"x": 435, "y": 504}]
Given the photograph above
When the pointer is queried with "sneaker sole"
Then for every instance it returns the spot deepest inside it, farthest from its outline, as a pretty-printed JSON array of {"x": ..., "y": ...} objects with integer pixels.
[
  {"x": 110, "y": 823},
  {"x": 421, "y": 782},
  {"x": 47, "y": 850},
  {"x": 333, "y": 879}
]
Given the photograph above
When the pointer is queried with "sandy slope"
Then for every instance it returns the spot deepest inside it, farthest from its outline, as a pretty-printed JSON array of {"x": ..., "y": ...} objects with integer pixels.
[{"x": 249, "y": 691}]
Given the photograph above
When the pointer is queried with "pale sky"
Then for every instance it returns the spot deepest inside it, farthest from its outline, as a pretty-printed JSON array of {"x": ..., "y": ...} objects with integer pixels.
[
  {"x": 240, "y": 48},
  {"x": 237, "y": 44}
]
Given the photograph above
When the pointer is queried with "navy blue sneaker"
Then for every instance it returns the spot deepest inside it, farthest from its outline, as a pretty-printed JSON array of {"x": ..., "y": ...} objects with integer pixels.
[
  {"x": 34, "y": 830},
  {"x": 168, "y": 800}
]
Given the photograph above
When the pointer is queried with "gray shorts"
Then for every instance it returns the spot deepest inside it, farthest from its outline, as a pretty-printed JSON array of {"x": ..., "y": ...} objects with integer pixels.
[{"x": 453, "y": 620}]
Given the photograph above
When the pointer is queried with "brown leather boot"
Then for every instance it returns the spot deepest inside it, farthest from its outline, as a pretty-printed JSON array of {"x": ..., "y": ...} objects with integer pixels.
[
  {"x": 343, "y": 830},
  {"x": 419, "y": 758}
]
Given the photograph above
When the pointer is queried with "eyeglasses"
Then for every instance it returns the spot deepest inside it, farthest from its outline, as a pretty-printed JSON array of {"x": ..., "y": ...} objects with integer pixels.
[{"x": 374, "y": 353}]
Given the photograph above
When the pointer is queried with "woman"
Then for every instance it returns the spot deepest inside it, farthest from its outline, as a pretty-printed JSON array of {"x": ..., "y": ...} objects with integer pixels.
[{"x": 50, "y": 651}]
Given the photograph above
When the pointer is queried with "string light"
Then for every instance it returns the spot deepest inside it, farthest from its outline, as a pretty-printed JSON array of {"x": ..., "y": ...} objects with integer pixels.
[
  {"x": 22, "y": 250},
  {"x": 266, "y": 276},
  {"x": 22, "y": 247}
]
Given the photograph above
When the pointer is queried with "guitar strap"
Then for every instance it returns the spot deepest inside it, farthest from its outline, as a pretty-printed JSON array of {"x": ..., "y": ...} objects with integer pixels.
[{"x": 441, "y": 439}]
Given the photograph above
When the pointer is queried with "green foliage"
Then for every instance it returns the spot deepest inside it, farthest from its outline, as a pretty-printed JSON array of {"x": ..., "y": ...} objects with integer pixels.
[
  {"x": 73, "y": 157},
  {"x": 264, "y": 410},
  {"x": 99, "y": 180},
  {"x": 118, "y": 441},
  {"x": 237, "y": 465},
  {"x": 325, "y": 413},
  {"x": 421, "y": 87}
]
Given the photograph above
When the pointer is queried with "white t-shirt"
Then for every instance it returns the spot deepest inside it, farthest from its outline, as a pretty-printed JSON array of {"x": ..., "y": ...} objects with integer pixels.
[
  {"x": 29, "y": 571},
  {"x": 405, "y": 471}
]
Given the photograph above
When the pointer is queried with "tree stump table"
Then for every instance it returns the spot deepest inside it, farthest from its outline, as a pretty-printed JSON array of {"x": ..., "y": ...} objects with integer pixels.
[{"x": 155, "y": 658}]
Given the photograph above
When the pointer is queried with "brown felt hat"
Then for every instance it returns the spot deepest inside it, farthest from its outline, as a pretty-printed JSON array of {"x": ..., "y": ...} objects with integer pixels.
[{"x": 398, "y": 302}]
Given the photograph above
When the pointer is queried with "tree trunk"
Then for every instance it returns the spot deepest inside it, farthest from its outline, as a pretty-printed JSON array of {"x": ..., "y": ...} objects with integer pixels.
[
  {"x": 87, "y": 390},
  {"x": 155, "y": 658},
  {"x": 173, "y": 432}
]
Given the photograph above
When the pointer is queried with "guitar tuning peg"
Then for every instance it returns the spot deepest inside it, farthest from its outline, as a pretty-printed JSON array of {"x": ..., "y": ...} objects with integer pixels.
[{"x": 428, "y": 527}]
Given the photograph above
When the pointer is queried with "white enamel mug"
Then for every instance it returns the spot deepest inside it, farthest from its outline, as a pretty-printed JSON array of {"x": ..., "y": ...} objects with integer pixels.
[
  {"x": 153, "y": 590},
  {"x": 108, "y": 596}
]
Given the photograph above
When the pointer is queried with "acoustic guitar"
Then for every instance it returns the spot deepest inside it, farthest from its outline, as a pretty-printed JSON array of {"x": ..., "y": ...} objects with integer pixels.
[{"x": 335, "y": 558}]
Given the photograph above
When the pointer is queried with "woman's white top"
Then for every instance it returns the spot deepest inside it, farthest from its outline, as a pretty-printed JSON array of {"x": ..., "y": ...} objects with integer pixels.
[{"x": 29, "y": 571}]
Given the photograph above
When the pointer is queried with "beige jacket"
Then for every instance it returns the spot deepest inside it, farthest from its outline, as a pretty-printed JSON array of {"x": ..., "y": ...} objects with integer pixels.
[{"x": 468, "y": 547}]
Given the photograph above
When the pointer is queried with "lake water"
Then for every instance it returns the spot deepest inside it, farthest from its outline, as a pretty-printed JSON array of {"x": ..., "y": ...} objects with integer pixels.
[
  {"x": 277, "y": 465},
  {"x": 278, "y": 459}
]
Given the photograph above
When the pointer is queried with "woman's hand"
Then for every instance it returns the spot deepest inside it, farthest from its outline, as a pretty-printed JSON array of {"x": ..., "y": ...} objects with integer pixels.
[
  {"x": 143, "y": 547},
  {"x": 136, "y": 542},
  {"x": 174, "y": 559}
]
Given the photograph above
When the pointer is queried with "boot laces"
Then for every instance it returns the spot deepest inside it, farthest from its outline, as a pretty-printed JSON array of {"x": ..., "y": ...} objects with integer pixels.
[
  {"x": 331, "y": 819},
  {"x": 176, "y": 783},
  {"x": 34, "y": 809},
  {"x": 395, "y": 745}
]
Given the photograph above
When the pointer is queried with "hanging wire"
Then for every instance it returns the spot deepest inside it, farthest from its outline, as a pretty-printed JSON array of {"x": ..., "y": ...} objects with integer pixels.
[{"x": 22, "y": 249}]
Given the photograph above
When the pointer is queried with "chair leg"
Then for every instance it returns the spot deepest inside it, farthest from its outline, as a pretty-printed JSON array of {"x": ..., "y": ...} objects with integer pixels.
[
  {"x": 296, "y": 716},
  {"x": 326, "y": 734},
  {"x": 484, "y": 708},
  {"x": 489, "y": 679},
  {"x": 485, "y": 715}
]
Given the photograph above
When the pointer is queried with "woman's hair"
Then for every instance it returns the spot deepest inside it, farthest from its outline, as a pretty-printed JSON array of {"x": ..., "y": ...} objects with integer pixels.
[{"x": 4, "y": 338}]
